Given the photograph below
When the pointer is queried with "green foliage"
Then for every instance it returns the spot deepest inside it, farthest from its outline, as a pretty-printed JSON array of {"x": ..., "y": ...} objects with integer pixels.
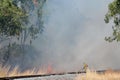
[
  {"x": 11, "y": 18},
  {"x": 33, "y": 29},
  {"x": 114, "y": 14},
  {"x": 15, "y": 20}
]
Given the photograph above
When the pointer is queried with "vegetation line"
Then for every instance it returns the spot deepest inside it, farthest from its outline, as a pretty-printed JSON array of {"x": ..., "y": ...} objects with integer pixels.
[{"x": 44, "y": 75}]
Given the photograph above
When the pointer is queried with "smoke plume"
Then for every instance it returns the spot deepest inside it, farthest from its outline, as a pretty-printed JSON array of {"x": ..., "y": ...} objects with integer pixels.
[{"x": 74, "y": 32}]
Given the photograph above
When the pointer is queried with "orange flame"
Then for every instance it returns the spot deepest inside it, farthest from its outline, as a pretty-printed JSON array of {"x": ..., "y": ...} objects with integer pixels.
[{"x": 49, "y": 69}]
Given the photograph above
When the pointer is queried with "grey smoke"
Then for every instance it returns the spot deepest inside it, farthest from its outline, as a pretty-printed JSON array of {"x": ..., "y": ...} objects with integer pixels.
[{"x": 74, "y": 33}]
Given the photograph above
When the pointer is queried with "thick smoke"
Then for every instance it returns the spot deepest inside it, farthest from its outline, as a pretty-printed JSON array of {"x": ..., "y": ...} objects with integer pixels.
[{"x": 74, "y": 33}]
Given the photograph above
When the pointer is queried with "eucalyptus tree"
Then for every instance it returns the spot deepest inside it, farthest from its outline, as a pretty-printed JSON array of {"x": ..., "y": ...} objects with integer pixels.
[
  {"x": 11, "y": 18},
  {"x": 20, "y": 21},
  {"x": 114, "y": 15}
]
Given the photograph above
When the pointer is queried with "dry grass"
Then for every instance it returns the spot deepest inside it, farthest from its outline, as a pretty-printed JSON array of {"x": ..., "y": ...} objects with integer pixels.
[
  {"x": 6, "y": 72},
  {"x": 92, "y": 75}
]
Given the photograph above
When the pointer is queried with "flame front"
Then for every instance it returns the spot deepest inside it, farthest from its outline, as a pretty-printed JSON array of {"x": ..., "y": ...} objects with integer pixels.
[{"x": 89, "y": 75}]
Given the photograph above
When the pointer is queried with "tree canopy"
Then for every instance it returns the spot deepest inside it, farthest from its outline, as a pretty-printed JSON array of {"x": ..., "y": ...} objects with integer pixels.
[
  {"x": 11, "y": 18},
  {"x": 15, "y": 19},
  {"x": 20, "y": 21},
  {"x": 114, "y": 15}
]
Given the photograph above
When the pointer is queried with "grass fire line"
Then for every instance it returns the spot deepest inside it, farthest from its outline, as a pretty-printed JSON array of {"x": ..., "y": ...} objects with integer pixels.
[{"x": 45, "y": 75}]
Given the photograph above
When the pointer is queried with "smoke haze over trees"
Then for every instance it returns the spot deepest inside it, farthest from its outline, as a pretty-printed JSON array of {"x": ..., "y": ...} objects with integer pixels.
[
  {"x": 20, "y": 23},
  {"x": 73, "y": 34}
]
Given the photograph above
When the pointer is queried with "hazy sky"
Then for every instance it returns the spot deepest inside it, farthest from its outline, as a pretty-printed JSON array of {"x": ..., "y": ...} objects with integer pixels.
[{"x": 74, "y": 33}]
